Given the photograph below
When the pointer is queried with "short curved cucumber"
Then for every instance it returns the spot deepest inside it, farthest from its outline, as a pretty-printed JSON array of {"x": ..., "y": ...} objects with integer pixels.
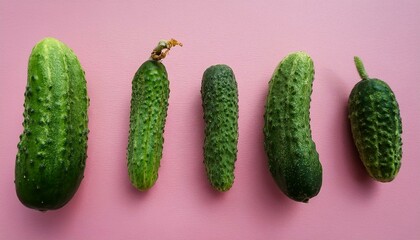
[{"x": 292, "y": 156}]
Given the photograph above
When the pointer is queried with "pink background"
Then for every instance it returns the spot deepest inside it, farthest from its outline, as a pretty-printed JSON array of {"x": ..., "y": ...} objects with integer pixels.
[{"x": 112, "y": 39}]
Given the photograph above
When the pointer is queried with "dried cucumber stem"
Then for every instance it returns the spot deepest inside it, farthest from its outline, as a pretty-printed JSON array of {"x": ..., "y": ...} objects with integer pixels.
[
  {"x": 360, "y": 68},
  {"x": 163, "y": 48}
]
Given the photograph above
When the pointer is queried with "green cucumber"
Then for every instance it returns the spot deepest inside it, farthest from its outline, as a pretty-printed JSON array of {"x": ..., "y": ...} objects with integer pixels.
[
  {"x": 292, "y": 156},
  {"x": 376, "y": 126},
  {"x": 219, "y": 93},
  {"x": 52, "y": 150},
  {"x": 149, "y": 105}
]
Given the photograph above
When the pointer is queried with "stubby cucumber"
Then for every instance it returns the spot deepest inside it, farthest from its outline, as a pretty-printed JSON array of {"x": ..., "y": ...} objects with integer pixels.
[
  {"x": 52, "y": 150},
  {"x": 376, "y": 126},
  {"x": 219, "y": 92},
  {"x": 293, "y": 159},
  {"x": 149, "y": 104}
]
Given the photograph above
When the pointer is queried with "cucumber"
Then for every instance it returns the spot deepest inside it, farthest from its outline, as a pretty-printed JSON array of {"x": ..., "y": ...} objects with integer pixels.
[
  {"x": 292, "y": 157},
  {"x": 149, "y": 105},
  {"x": 219, "y": 93},
  {"x": 376, "y": 126},
  {"x": 51, "y": 155}
]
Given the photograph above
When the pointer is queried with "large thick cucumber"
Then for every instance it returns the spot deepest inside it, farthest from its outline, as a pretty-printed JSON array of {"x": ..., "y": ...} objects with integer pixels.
[{"x": 52, "y": 150}]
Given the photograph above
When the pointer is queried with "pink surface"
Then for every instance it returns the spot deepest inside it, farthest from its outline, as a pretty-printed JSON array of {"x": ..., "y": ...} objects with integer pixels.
[{"x": 112, "y": 39}]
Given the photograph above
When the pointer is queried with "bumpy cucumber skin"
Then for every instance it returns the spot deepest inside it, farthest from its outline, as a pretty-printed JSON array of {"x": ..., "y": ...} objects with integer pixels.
[
  {"x": 219, "y": 93},
  {"x": 293, "y": 159},
  {"x": 376, "y": 128},
  {"x": 149, "y": 105},
  {"x": 51, "y": 154}
]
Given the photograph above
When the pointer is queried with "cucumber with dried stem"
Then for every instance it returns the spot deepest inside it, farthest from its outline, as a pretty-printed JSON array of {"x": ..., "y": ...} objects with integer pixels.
[{"x": 149, "y": 105}]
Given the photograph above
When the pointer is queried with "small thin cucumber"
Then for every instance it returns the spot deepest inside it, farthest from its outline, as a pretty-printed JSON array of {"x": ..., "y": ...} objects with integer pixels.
[{"x": 219, "y": 92}]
